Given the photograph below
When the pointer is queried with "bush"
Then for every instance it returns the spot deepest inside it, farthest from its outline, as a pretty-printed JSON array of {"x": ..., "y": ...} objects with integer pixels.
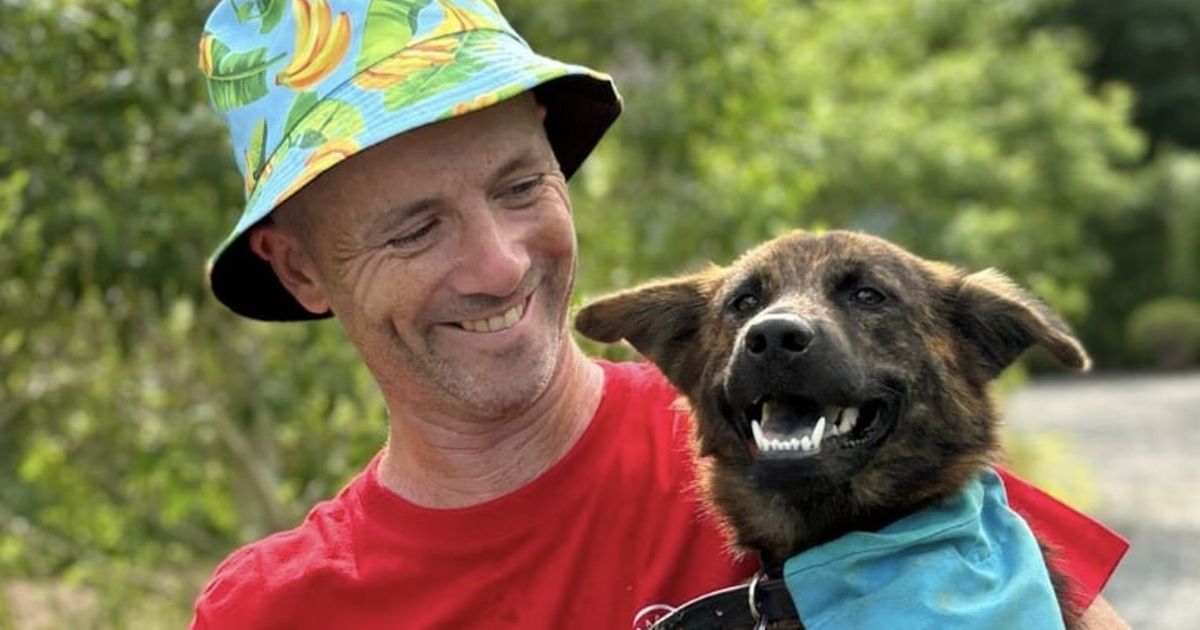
[{"x": 1166, "y": 332}]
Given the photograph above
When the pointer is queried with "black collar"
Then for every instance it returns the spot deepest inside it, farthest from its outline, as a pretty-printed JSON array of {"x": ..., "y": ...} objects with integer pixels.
[{"x": 751, "y": 605}]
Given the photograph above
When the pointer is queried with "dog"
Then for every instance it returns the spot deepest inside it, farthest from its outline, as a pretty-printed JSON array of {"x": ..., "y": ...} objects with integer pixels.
[{"x": 838, "y": 382}]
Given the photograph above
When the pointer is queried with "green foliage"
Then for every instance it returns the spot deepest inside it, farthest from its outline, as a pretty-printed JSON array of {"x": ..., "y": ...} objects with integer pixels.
[
  {"x": 1167, "y": 331},
  {"x": 1154, "y": 46},
  {"x": 1152, "y": 249},
  {"x": 941, "y": 125},
  {"x": 145, "y": 431},
  {"x": 1174, "y": 182}
]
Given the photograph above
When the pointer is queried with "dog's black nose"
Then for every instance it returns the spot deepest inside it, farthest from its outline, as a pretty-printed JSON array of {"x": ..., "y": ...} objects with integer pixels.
[{"x": 783, "y": 334}]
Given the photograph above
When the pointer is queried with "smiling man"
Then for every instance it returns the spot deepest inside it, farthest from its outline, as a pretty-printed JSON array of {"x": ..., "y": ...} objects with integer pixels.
[
  {"x": 405, "y": 165},
  {"x": 454, "y": 288}
]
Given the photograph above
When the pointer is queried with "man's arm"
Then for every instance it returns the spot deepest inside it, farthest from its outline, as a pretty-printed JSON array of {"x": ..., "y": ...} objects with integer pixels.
[{"x": 1101, "y": 616}]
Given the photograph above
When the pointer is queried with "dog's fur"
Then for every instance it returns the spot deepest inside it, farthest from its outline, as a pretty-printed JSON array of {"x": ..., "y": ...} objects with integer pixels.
[{"x": 838, "y": 320}]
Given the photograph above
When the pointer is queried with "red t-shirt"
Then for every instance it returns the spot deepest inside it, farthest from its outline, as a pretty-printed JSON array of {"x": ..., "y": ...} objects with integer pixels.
[{"x": 611, "y": 536}]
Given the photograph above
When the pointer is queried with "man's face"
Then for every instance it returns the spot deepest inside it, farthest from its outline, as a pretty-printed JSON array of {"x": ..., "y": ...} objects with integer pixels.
[{"x": 448, "y": 255}]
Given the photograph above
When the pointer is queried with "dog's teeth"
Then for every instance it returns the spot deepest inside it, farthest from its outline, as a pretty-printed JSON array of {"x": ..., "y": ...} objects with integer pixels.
[
  {"x": 849, "y": 419},
  {"x": 767, "y": 411},
  {"x": 818, "y": 433},
  {"x": 806, "y": 444},
  {"x": 793, "y": 444},
  {"x": 759, "y": 438}
]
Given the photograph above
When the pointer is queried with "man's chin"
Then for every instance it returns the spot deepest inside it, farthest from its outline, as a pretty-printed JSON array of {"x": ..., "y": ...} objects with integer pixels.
[
  {"x": 498, "y": 398},
  {"x": 500, "y": 385}
]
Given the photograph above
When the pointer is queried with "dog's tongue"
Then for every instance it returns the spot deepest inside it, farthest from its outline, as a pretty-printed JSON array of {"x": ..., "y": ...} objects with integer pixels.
[{"x": 782, "y": 420}]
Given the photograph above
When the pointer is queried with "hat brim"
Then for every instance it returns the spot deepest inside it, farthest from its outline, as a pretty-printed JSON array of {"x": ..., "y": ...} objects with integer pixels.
[{"x": 580, "y": 106}]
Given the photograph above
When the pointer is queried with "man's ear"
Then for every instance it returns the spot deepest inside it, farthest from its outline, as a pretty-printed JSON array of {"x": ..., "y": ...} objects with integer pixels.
[
  {"x": 999, "y": 321},
  {"x": 662, "y": 319},
  {"x": 290, "y": 261}
]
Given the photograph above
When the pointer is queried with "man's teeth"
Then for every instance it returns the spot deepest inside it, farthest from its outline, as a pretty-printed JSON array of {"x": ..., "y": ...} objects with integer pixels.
[
  {"x": 810, "y": 442},
  {"x": 498, "y": 322}
]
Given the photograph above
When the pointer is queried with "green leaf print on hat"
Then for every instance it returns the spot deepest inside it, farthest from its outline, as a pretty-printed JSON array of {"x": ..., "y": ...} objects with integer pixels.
[
  {"x": 436, "y": 47},
  {"x": 234, "y": 78},
  {"x": 328, "y": 120},
  {"x": 439, "y": 73},
  {"x": 256, "y": 154},
  {"x": 300, "y": 107},
  {"x": 389, "y": 26},
  {"x": 269, "y": 11}
]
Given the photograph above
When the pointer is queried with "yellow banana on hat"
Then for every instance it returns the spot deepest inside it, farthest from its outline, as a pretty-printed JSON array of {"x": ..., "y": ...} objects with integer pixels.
[{"x": 321, "y": 42}]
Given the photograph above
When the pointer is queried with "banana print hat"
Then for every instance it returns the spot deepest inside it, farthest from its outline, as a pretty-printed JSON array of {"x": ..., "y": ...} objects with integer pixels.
[{"x": 304, "y": 84}]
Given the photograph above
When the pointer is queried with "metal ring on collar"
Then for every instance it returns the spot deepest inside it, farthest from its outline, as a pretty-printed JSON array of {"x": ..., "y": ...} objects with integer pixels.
[{"x": 760, "y": 621}]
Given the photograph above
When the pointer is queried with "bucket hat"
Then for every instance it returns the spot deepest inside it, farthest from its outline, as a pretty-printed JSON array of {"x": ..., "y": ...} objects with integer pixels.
[{"x": 305, "y": 84}]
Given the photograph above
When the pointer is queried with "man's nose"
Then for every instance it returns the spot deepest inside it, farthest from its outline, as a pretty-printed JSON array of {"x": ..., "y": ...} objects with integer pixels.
[
  {"x": 494, "y": 256},
  {"x": 778, "y": 337}
]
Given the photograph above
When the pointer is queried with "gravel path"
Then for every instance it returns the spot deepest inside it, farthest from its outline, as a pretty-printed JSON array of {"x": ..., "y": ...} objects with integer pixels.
[{"x": 1139, "y": 435}]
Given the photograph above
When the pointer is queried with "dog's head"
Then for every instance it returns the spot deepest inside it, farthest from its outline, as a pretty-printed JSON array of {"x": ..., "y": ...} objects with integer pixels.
[{"x": 835, "y": 377}]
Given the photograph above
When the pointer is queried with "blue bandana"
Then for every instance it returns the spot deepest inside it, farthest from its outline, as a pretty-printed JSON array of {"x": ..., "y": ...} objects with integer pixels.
[{"x": 967, "y": 562}]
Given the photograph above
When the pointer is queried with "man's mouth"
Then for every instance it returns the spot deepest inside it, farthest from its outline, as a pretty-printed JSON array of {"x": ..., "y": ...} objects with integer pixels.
[
  {"x": 795, "y": 427},
  {"x": 496, "y": 323}
]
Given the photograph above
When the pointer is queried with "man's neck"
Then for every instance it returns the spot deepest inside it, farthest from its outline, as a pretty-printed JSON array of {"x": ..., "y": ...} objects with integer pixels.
[{"x": 443, "y": 463}]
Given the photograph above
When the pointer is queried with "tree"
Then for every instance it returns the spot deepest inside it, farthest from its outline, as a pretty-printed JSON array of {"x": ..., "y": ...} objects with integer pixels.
[
  {"x": 948, "y": 126},
  {"x": 1154, "y": 46},
  {"x": 142, "y": 427}
]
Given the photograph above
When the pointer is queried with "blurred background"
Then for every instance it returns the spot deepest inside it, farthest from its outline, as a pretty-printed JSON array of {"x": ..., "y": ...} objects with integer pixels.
[{"x": 145, "y": 431}]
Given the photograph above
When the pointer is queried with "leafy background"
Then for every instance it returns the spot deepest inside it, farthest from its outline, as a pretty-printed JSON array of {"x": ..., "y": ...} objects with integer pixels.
[{"x": 145, "y": 431}]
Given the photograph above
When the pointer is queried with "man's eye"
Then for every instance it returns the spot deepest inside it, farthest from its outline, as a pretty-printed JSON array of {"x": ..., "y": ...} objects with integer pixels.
[
  {"x": 868, "y": 296},
  {"x": 414, "y": 237},
  {"x": 523, "y": 187}
]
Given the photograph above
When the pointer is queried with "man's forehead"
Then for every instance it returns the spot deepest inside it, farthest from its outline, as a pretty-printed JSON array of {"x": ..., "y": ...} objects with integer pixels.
[
  {"x": 427, "y": 162},
  {"x": 463, "y": 142}
]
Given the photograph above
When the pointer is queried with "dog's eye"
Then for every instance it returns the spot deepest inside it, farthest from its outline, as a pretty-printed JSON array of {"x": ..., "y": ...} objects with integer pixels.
[
  {"x": 868, "y": 296},
  {"x": 746, "y": 304}
]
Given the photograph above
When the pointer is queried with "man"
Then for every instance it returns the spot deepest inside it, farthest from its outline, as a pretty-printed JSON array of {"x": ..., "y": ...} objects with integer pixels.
[{"x": 522, "y": 485}]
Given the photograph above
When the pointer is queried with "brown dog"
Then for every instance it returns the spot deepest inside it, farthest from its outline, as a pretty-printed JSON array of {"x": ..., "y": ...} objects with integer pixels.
[{"x": 838, "y": 381}]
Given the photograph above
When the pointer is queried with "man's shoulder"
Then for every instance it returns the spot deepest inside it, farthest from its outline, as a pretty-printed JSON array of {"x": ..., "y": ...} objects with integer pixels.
[
  {"x": 639, "y": 399},
  {"x": 646, "y": 422},
  {"x": 638, "y": 382},
  {"x": 250, "y": 586}
]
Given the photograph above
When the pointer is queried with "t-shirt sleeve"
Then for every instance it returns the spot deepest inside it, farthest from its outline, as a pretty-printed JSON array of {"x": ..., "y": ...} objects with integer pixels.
[
  {"x": 234, "y": 597},
  {"x": 1085, "y": 550}
]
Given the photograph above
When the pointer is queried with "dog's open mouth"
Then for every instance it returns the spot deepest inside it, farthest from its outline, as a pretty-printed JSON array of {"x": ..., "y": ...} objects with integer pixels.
[{"x": 795, "y": 427}]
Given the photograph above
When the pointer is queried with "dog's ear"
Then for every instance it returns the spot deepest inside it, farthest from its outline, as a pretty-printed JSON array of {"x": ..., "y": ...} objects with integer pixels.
[
  {"x": 662, "y": 319},
  {"x": 1000, "y": 321}
]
